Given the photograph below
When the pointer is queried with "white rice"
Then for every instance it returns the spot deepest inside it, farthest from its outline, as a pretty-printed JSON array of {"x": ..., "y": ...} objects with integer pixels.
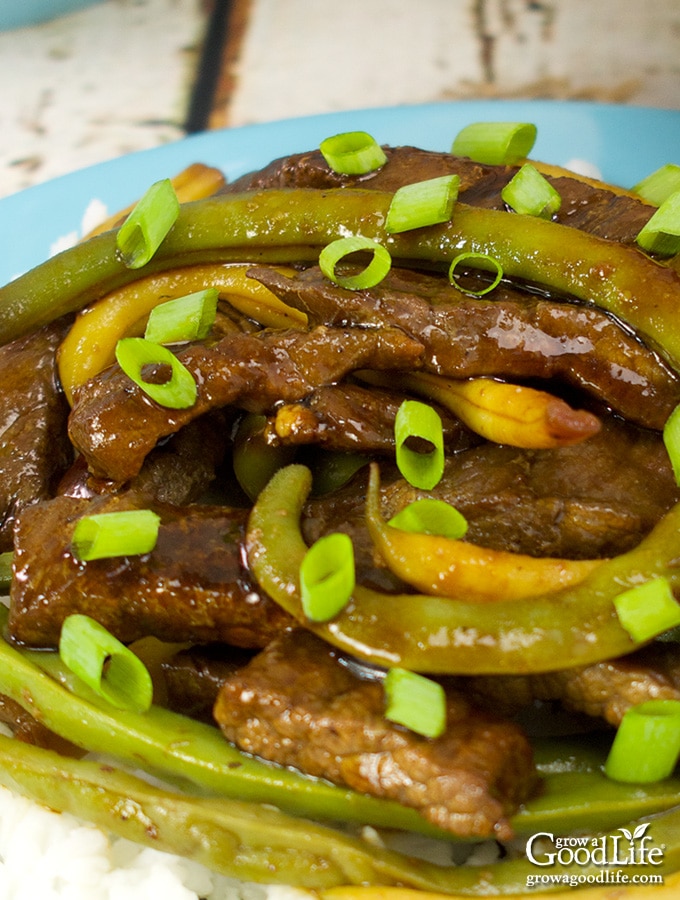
[{"x": 46, "y": 855}]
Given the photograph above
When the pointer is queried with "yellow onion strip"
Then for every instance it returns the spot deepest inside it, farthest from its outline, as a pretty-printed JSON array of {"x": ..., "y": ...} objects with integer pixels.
[
  {"x": 90, "y": 344},
  {"x": 501, "y": 412},
  {"x": 193, "y": 183},
  {"x": 461, "y": 570}
]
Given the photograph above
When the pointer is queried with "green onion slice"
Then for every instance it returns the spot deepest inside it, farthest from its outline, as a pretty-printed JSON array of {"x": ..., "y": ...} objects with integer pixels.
[
  {"x": 129, "y": 532},
  {"x": 530, "y": 193},
  {"x": 647, "y": 609},
  {"x": 659, "y": 185},
  {"x": 143, "y": 231},
  {"x": 480, "y": 261},
  {"x": 422, "y": 203},
  {"x": 187, "y": 318},
  {"x": 108, "y": 667},
  {"x": 327, "y": 577},
  {"x": 371, "y": 275},
  {"x": 661, "y": 235},
  {"x": 136, "y": 355},
  {"x": 671, "y": 439},
  {"x": 416, "y": 420},
  {"x": 416, "y": 702},
  {"x": 353, "y": 153},
  {"x": 647, "y": 743},
  {"x": 431, "y": 516},
  {"x": 495, "y": 143}
]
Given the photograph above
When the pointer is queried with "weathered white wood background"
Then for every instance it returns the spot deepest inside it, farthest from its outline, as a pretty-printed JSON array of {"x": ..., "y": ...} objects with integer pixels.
[{"x": 117, "y": 77}]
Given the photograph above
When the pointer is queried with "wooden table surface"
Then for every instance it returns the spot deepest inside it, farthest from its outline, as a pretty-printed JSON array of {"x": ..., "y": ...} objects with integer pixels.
[{"x": 125, "y": 75}]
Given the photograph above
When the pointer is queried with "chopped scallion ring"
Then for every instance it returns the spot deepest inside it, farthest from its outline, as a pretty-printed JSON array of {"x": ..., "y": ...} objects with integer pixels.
[
  {"x": 659, "y": 185},
  {"x": 353, "y": 153},
  {"x": 495, "y": 143},
  {"x": 530, "y": 193},
  {"x": 431, "y": 516},
  {"x": 129, "y": 532},
  {"x": 647, "y": 609},
  {"x": 416, "y": 421},
  {"x": 647, "y": 743},
  {"x": 371, "y": 275},
  {"x": 661, "y": 235},
  {"x": 416, "y": 702},
  {"x": 187, "y": 318},
  {"x": 105, "y": 665},
  {"x": 327, "y": 577},
  {"x": 422, "y": 203},
  {"x": 142, "y": 233},
  {"x": 479, "y": 261},
  {"x": 134, "y": 355},
  {"x": 671, "y": 439}
]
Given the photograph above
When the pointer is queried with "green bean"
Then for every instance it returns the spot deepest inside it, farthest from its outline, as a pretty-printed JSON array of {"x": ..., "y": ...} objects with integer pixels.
[
  {"x": 258, "y": 843},
  {"x": 251, "y": 841},
  {"x": 293, "y": 225},
  {"x": 574, "y": 792},
  {"x": 573, "y": 626},
  {"x": 179, "y": 748},
  {"x": 235, "y": 835},
  {"x": 254, "y": 459},
  {"x": 576, "y": 797}
]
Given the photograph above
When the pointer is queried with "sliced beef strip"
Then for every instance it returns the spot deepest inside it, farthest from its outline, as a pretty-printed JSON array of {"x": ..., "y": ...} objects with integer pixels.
[
  {"x": 29, "y": 730},
  {"x": 590, "y": 207},
  {"x": 179, "y": 471},
  {"x": 593, "y": 499},
  {"x": 115, "y": 425},
  {"x": 192, "y": 678},
  {"x": 514, "y": 335},
  {"x": 597, "y": 498},
  {"x": 296, "y": 705},
  {"x": 34, "y": 447},
  {"x": 604, "y": 690},
  {"x": 351, "y": 417},
  {"x": 192, "y": 587}
]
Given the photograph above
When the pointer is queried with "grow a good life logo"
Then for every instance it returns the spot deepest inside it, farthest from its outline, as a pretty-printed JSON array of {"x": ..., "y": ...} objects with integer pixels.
[{"x": 624, "y": 857}]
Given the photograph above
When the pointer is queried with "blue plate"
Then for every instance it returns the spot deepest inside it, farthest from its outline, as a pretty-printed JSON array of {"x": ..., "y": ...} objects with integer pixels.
[
  {"x": 624, "y": 143},
  {"x": 21, "y": 13}
]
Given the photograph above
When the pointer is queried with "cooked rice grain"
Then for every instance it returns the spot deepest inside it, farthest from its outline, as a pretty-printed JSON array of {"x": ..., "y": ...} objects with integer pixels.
[{"x": 54, "y": 856}]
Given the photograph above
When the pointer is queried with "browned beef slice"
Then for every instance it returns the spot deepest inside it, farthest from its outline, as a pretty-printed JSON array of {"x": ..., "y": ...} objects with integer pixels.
[
  {"x": 191, "y": 587},
  {"x": 604, "y": 690},
  {"x": 178, "y": 472},
  {"x": 193, "y": 677},
  {"x": 34, "y": 447},
  {"x": 592, "y": 208},
  {"x": 353, "y": 417},
  {"x": 115, "y": 425},
  {"x": 594, "y": 499},
  {"x": 29, "y": 730},
  {"x": 296, "y": 705},
  {"x": 514, "y": 335}
]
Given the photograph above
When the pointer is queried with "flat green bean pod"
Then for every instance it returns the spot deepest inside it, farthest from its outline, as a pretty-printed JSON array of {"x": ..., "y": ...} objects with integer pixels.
[
  {"x": 259, "y": 843},
  {"x": 571, "y": 627},
  {"x": 293, "y": 225}
]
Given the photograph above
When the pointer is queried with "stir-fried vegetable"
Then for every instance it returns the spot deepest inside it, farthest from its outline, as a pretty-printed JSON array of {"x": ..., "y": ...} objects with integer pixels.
[
  {"x": 435, "y": 634},
  {"x": 435, "y": 609},
  {"x": 281, "y": 226}
]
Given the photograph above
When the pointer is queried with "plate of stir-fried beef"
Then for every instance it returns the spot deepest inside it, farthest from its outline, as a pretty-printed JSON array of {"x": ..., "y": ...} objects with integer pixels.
[{"x": 554, "y": 389}]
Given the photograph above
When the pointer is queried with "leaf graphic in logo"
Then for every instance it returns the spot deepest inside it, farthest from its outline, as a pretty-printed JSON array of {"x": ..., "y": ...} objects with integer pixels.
[
  {"x": 640, "y": 830},
  {"x": 626, "y": 833}
]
